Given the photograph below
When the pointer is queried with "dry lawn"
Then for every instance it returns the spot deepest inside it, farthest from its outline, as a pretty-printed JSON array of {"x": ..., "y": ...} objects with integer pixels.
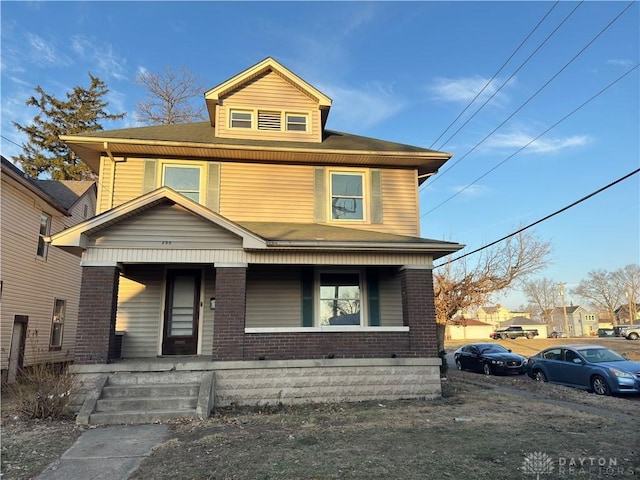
[{"x": 482, "y": 428}]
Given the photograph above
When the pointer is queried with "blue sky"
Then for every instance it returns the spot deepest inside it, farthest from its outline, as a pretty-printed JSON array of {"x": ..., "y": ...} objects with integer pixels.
[{"x": 399, "y": 71}]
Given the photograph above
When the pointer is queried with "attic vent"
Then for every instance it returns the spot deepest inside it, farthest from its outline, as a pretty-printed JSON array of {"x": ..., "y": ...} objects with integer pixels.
[{"x": 269, "y": 121}]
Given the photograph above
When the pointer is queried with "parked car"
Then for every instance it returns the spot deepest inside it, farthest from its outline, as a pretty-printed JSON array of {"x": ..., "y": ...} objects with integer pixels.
[
  {"x": 489, "y": 358},
  {"x": 557, "y": 334},
  {"x": 606, "y": 332},
  {"x": 632, "y": 333},
  {"x": 514, "y": 332},
  {"x": 591, "y": 367}
]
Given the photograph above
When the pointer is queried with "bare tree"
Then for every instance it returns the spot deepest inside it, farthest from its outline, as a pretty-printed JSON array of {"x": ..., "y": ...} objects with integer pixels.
[
  {"x": 602, "y": 290},
  {"x": 169, "y": 98},
  {"x": 542, "y": 294},
  {"x": 628, "y": 281},
  {"x": 458, "y": 286}
]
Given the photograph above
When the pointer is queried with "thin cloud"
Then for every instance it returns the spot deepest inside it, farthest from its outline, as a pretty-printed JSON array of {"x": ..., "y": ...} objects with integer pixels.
[
  {"x": 41, "y": 51},
  {"x": 621, "y": 62},
  {"x": 357, "y": 109},
  {"x": 519, "y": 139},
  {"x": 461, "y": 90},
  {"x": 108, "y": 63},
  {"x": 471, "y": 191}
]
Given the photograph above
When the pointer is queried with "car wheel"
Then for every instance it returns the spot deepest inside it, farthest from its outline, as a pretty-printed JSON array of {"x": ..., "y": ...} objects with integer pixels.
[
  {"x": 600, "y": 386},
  {"x": 529, "y": 336},
  {"x": 486, "y": 368},
  {"x": 539, "y": 376},
  {"x": 633, "y": 336},
  {"x": 504, "y": 337},
  {"x": 458, "y": 365}
]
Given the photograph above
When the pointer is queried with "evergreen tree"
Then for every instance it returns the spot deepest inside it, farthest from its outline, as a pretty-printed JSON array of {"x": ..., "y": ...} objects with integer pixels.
[{"x": 81, "y": 112}]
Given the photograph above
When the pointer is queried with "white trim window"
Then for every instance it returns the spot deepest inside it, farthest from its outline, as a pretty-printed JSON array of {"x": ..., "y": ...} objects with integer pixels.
[
  {"x": 347, "y": 195},
  {"x": 296, "y": 122},
  {"x": 45, "y": 230},
  {"x": 184, "y": 179},
  {"x": 57, "y": 323},
  {"x": 340, "y": 301},
  {"x": 240, "y": 119}
]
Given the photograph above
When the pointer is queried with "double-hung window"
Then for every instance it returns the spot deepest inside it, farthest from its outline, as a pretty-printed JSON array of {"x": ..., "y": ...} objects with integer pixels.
[
  {"x": 340, "y": 298},
  {"x": 57, "y": 323},
  {"x": 240, "y": 119},
  {"x": 184, "y": 179},
  {"x": 45, "y": 230},
  {"x": 296, "y": 122},
  {"x": 347, "y": 196}
]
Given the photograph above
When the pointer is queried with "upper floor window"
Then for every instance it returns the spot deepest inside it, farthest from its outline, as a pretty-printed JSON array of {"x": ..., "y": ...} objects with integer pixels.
[
  {"x": 184, "y": 179},
  {"x": 296, "y": 122},
  {"x": 57, "y": 323},
  {"x": 347, "y": 196},
  {"x": 240, "y": 119},
  {"x": 45, "y": 230}
]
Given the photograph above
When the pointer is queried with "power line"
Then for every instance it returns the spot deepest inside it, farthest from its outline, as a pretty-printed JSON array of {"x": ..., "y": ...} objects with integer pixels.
[
  {"x": 543, "y": 219},
  {"x": 532, "y": 141},
  {"x": 532, "y": 96},
  {"x": 10, "y": 141},
  {"x": 494, "y": 76}
]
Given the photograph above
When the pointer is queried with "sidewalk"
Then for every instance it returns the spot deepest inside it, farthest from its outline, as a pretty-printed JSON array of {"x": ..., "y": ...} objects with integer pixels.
[{"x": 109, "y": 453}]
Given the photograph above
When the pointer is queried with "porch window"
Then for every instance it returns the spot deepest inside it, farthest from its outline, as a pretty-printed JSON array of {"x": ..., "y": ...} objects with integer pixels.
[
  {"x": 340, "y": 296},
  {"x": 57, "y": 324},
  {"x": 183, "y": 179},
  {"x": 347, "y": 196},
  {"x": 240, "y": 119},
  {"x": 296, "y": 122},
  {"x": 45, "y": 229}
]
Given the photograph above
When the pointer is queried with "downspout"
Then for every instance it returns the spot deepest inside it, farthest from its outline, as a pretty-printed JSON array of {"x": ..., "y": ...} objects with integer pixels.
[{"x": 112, "y": 181}]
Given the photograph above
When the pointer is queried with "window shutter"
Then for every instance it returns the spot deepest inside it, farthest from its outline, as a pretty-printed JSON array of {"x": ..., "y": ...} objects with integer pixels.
[
  {"x": 213, "y": 187},
  {"x": 319, "y": 195},
  {"x": 307, "y": 296},
  {"x": 149, "y": 180},
  {"x": 376, "y": 196},
  {"x": 373, "y": 295}
]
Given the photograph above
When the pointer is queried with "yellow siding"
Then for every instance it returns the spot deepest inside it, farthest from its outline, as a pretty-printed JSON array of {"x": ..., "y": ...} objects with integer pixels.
[
  {"x": 399, "y": 203},
  {"x": 128, "y": 182},
  {"x": 266, "y": 193},
  {"x": 273, "y": 297},
  {"x": 270, "y": 92},
  {"x": 206, "y": 330},
  {"x": 166, "y": 226},
  {"x": 104, "y": 186},
  {"x": 31, "y": 284},
  {"x": 139, "y": 313}
]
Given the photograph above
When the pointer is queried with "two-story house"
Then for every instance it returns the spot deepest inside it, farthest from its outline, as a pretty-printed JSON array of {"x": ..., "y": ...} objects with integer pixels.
[
  {"x": 261, "y": 242},
  {"x": 40, "y": 286},
  {"x": 581, "y": 321}
]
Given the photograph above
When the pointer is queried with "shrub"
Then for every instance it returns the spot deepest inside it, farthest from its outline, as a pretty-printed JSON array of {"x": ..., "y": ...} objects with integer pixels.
[{"x": 42, "y": 391}]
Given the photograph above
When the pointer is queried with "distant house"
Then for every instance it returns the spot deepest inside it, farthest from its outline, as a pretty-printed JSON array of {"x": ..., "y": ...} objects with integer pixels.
[
  {"x": 526, "y": 323},
  {"x": 494, "y": 315},
  {"x": 622, "y": 314},
  {"x": 467, "y": 329},
  {"x": 581, "y": 321},
  {"x": 40, "y": 285}
]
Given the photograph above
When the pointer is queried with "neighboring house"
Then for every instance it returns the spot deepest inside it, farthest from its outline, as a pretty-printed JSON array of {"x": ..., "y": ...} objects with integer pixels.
[
  {"x": 622, "y": 314},
  {"x": 526, "y": 323},
  {"x": 581, "y": 321},
  {"x": 261, "y": 240},
  {"x": 494, "y": 315},
  {"x": 40, "y": 285},
  {"x": 468, "y": 328}
]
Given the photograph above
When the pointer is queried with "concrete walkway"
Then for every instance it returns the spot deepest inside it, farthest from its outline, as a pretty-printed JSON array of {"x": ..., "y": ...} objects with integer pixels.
[{"x": 109, "y": 453}]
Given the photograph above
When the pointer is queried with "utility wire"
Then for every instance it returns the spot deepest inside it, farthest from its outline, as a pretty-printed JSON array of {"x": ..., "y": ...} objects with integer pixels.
[
  {"x": 532, "y": 141},
  {"x": 495, "y": 75},
  {"x": 10, "y": 141},
  {"x": 542, "y": 219},
  {"x": 534, "y": 95}
]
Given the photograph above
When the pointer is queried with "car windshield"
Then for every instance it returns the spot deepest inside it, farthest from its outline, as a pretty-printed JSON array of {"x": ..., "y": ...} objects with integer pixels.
[
  {"x": 493, "y": 349},
  {"x": 599, "y": 355}
]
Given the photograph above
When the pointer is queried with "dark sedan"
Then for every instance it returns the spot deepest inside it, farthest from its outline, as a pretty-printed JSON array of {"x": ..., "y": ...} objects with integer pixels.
[
  {"x": 489, "y": 358},
  {"x": 592, "y": 367}
]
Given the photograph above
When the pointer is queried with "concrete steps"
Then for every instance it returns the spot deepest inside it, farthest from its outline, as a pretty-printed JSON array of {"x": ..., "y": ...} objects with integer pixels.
[{"x": 148, "y": 397}]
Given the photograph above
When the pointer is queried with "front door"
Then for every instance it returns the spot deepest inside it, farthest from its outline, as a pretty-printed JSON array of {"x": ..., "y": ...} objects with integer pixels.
[
  {"x": 16, "y": 352},
  {"x": 181, "y": 313}
]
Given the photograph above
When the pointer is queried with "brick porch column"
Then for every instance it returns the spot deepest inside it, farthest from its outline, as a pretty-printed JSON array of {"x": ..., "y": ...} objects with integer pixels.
[
  {"x": 96, "y": 334},
  {"x": 418, "y": 310},
  {"x": 229, "y": 320}
]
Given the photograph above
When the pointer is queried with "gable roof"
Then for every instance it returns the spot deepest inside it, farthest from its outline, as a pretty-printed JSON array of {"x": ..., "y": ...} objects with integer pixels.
[
  {"x": 520, "y": 321},
  {"x": 269, "y": 64},
  {"x": 468, "y": 322},
  {"x": 60, "y": 194}
]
